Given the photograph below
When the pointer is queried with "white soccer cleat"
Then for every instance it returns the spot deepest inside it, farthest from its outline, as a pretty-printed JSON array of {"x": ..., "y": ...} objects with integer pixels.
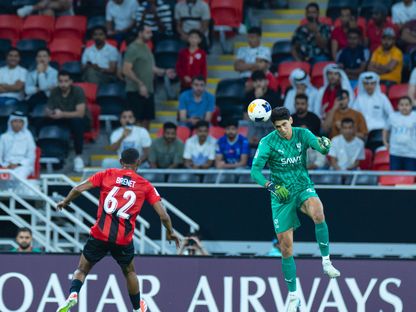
[
  {"x": 294, "y": 304},
  {"x": 69, "y": 303},
  {"x": 330, "y": 270}
]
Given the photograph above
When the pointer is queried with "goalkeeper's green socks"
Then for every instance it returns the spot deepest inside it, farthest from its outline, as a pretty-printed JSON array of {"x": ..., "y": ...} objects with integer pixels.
[
  {"x": 322, "y": 237},
  {"x": 289, "y": 272}
]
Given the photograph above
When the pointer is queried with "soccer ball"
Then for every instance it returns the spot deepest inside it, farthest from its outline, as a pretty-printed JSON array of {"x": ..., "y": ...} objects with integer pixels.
[{"x": 259, "y": 110}]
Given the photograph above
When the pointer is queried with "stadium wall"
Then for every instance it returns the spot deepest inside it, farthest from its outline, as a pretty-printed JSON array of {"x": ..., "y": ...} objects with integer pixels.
[
  {"x": 39, "y": 282},
  {"x": 231, "y": 213}
]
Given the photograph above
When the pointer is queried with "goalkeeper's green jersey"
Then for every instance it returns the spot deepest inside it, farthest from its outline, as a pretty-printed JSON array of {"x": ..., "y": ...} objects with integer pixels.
[{"x": 286, "y": 159}]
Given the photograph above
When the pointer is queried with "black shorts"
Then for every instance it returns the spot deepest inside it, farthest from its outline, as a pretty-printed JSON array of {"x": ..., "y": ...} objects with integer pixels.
[
  {"x": 95, "y": 250},
  {"x": 143, "y": 108}
]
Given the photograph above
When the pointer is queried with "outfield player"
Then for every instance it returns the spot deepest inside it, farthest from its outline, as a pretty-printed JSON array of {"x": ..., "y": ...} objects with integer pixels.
[
  {"x": 122, "y": 193},
  {"x": 285, "y": 151}
]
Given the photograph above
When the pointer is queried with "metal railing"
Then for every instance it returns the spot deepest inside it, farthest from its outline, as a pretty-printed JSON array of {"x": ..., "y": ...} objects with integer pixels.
[
  {"x": 140, "y": 236},
  {"x": 219, "y": 173},
  {"x": 50, "y": 228}
]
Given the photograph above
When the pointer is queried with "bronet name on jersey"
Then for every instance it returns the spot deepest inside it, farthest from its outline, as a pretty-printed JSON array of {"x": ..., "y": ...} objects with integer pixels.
[{"x": 126, "y": 181}]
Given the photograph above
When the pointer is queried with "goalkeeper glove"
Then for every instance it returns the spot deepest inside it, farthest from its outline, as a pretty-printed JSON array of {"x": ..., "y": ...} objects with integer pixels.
[
  {"x": 278, "y": 190},
  {"x": 324, "y": 143}
]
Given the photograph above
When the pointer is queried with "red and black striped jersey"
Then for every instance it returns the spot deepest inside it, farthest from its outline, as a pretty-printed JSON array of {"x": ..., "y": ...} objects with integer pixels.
[{"x": 122, "y": 194}]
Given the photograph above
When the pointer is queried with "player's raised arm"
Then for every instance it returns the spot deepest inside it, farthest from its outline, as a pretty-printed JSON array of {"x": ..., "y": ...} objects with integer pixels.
[
  {"x": 74, "y": 193},
  {"x": 167, "y": 223}
]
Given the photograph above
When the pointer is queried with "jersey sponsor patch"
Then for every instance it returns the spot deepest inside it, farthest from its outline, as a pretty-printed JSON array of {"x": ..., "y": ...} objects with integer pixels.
[{"x": 291, "y": 160}]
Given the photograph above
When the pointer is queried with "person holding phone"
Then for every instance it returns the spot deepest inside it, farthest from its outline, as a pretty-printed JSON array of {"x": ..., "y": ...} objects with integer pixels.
[{"x": 128, "y": 135}]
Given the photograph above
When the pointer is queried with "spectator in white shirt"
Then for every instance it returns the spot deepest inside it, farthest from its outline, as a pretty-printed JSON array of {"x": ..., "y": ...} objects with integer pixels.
[
  {"x": 119, "y": 15},
  {"x": 128, "y": 136},
  {"x": 12, "y": 79},
  {"x": 192, "y": 14},
  {"x": 99, "y": 61},
  {"x": 347, "y": 149},
  {"x": 199, "y": 150},
  {"x": 41, "y": 80},
  {"x": 400, "y": 137},
  {"x": 403, "y": 12},
  {"x": 245, "y": 62},
  {"x": 17, "y": 146},
  {"x": 371, "y": 102},
  {"x": 301, "y": 84}
]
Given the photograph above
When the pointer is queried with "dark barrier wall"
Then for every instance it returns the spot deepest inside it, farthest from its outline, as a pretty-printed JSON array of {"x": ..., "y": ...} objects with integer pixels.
[
  {"x": 231, "y": 213},
  {"x": 39, "y": 282}
]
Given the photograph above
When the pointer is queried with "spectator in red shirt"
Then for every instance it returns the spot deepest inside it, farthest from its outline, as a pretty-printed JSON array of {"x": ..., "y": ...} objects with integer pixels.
[
  {"x": 192, "y": 61},
  {"x": 263, "y": 61},
  {"x": 348, "y": 20},
  {"x": 376, "y": 25}
]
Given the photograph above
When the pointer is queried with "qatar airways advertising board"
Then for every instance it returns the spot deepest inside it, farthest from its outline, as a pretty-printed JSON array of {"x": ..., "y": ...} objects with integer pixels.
[{"x": 37, "y": 283}]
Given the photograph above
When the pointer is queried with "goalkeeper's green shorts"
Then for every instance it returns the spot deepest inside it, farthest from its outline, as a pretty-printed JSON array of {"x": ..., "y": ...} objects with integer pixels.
[{"x": 285, "y": 214}]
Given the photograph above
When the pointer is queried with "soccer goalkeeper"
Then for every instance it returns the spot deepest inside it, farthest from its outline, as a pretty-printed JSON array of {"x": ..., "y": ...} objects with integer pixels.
[{"x": 291, "y": 190}]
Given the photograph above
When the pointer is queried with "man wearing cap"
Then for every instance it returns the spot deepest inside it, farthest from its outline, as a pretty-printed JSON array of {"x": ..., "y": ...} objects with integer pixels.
[
  {"x": 17, "y": 146},
  {"x": 263, "y": 60},
  {"x": 387, "y": 60},
  {"x": 376, "y": 25},
  {"x": 245, "y": 62}
]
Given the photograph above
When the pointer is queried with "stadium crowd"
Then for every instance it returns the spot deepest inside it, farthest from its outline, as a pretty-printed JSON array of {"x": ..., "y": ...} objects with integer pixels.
[{"x": 345, "y": 77}]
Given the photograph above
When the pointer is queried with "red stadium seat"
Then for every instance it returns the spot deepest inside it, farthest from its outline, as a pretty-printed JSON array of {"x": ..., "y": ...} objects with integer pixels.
[
  {"x": 70, "y": 27},
  {"x": 243, "y": 130},
  {"x": 396, "y": 92},
  {"x": 317, "y": 75},
  {"x": 90, "y": 90},
  {"x": 283, "y": 72},
  {"x": 227, "y": 12},
  {"x": 395, "y": 180},
  {"x": 38, "y": 27},
  {"x": 95, "y": 123},
  {"x": 216, "y": 131},
  {"x": 112, "y": 42},
  {"x": 381, "y": 160},
  {"x": 36, "y": 170},
  {"x": 367, "y": 163},
  {"x": 10, "y": 27},
  {"x": 182, "y": 132},
  {"x": 65, "y": 50},
  {"x": 322, "y": 19}
]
